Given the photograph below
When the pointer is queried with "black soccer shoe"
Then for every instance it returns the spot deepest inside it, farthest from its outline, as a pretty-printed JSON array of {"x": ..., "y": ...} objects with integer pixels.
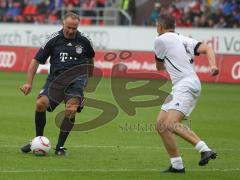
[
  {"x": 173, "y": 170},
  {"x": 26, "y": 148},
  {"x": 60, "y": 151},
  {"x": 206, "y": 156}
]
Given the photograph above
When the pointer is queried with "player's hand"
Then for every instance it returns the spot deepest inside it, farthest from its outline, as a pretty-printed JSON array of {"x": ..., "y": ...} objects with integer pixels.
[
  {"x": 26, "y": 89},
  {"x": 214, "y": 70}
]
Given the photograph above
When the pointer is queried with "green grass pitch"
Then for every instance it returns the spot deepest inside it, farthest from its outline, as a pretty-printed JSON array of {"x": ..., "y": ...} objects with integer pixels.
[{"x": 125, "y": 148}]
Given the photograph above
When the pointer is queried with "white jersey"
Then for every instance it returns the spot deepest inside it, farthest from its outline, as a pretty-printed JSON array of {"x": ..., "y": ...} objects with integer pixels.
[{"x": 177, "y": 52}]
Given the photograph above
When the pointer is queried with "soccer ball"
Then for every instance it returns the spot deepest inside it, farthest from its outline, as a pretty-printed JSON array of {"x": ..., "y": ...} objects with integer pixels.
[{"x": 40, "y": 146}]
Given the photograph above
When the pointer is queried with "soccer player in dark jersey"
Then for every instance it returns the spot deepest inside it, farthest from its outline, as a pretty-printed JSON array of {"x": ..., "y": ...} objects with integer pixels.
[{"x": 67, "y": 48}]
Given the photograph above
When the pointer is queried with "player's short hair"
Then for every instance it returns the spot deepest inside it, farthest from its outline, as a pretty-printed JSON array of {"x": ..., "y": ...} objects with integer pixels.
[
  {"x": 167, "y": 21},
  {"x": 72, "y": 15}
]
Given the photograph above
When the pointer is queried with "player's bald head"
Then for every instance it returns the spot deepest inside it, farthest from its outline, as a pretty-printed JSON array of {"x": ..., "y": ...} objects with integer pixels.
[
  {"x": 166, "y": 21},
  {"x": 70, "y": 25}
]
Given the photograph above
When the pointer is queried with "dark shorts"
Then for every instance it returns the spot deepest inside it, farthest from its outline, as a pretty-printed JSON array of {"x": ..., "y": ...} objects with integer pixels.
[{"x": 58, "y": 92}]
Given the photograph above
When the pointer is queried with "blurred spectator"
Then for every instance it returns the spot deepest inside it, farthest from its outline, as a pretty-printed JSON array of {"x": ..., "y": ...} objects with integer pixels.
[
  {"x": 154, "y": 14},
  {"x": 111, "y": 3},
  {"x": 100, "y": 4},
  {"x": 36, "y": 2},
  {"x": 184, "y": 22},
  {"x": 210, "y": 23},
  {"x": 176, "y": 13},
  {"x": 204, "y": 13},
  {"x": 227, "y": 7},
  {"x": 53, "y": 17},
  {"x": 221, "y": 23},
  {"x": 188, "y": 13},
  {"x": 214, "y": 4},
  {"x": 13, "y": 11},
  {"x": 236, "y": 15},
  {"x": 88, "y": 7},
  {"x": 128, "y": 6},
  {"x": 3, "y": 11},
  {"x": 72, "y": 2},
  {"x": 30, "y": 9}
]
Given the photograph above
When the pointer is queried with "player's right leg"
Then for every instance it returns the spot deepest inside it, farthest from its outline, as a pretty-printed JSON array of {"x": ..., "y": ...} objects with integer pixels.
[
  {"x": 42, "y": 104},
  {"x": 169, "y": 142}
]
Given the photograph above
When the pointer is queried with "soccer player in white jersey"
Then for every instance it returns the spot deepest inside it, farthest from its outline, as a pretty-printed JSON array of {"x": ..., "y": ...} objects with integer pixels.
[{"x": 175, "y": 53}]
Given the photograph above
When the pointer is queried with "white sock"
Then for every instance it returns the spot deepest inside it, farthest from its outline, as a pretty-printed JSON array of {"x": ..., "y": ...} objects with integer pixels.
[
  {"x": 201, "y": 146},
  {"x": 177, "y": 162}
]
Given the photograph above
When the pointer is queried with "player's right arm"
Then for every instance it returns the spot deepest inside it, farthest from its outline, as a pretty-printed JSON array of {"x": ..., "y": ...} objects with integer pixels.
[
  {"x": 27, "y": 87},
  {"x": 42, "y": 55}
]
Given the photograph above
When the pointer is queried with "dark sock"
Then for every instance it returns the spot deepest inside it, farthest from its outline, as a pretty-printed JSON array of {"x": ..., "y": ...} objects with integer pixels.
[
  {"x": 65, "y": 129},
  {"x": 40, "y": 122}
]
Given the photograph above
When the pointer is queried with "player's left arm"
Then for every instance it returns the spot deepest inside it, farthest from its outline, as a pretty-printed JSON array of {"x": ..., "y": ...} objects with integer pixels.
[
  {"x": 160, "y": 53},
  {"x": 203, "y": 48}
]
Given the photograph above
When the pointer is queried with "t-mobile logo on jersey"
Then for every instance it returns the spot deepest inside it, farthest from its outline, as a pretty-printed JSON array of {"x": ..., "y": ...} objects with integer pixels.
[{"x": 64, "y": 57}]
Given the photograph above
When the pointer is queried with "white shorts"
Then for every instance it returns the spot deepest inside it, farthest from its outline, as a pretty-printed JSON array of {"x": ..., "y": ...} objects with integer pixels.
[{"x": 181, "y": 100}]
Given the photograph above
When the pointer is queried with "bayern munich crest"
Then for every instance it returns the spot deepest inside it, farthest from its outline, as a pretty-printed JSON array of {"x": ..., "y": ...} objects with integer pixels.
[{"x": 79, "y": 49}]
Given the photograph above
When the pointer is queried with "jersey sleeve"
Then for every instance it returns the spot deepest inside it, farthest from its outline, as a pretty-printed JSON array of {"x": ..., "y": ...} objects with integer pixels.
[
  {"x": 89, "y": 46},
  {"x": 90, "y": 51},
  {"x": 45, "y": 51},
  {"x": 191, "y": 45},
  {"x": 160, "y": 49}
]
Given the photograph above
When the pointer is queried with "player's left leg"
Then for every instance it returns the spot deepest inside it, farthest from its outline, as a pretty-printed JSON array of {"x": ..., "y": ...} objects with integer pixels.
[
  {"x": 67, "y": 124},
  {"x": 174, "y": 125},
  {"x": 181, "y": 106},
  {"x": 167, "y": 136},
  {"x": 74, "y": 103}
]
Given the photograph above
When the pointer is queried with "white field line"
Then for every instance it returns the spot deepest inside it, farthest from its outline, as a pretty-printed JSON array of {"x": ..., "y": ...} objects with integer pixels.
[
  {"x": 124, "y": 147},
  {"x": 111, "y": 170}
]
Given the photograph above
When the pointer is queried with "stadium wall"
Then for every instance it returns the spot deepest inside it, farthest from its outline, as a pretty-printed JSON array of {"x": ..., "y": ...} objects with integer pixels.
[
  {"x": 136, "y": 64},
  {"x": 224, "y": 41},
  {"x": 131, "y": 47}
]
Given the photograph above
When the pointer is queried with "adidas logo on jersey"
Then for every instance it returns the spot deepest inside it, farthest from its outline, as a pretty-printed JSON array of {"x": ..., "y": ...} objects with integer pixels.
[{"x": 69, "y": 44}]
